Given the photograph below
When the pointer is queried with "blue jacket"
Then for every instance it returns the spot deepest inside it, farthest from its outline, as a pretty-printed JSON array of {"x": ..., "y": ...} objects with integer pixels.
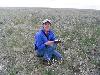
[{"x": 41, "y": 38}]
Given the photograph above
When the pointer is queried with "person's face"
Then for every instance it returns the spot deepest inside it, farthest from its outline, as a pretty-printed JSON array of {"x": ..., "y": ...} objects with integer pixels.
[{"x": 46, "y": 26}]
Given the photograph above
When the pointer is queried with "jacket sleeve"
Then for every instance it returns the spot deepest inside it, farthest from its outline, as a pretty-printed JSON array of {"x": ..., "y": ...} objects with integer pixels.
[
  {"x": 53, "y": 37},
  {"x": 39, "y": 42}
]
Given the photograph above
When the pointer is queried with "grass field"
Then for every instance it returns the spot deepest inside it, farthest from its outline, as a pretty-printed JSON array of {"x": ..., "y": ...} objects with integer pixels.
[{"x": 78, "y": 29}]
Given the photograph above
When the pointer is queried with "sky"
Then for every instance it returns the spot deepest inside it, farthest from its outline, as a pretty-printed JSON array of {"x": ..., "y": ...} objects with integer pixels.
[{"x": 80, "y": 4}]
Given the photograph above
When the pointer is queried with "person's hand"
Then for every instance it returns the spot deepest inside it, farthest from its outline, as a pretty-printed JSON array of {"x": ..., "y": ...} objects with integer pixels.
[{"x": 49, "y": 42}]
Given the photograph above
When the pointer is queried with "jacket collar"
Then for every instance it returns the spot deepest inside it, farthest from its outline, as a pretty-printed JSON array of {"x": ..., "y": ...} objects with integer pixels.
[{"x": 44, "y": 30}]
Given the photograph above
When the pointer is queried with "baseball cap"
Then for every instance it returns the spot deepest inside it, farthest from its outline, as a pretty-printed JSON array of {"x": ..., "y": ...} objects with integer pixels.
[{"x": 46, "y": 20}]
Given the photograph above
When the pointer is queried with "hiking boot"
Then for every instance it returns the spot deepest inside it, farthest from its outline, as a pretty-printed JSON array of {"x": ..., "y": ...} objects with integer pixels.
[{"x": 48, "y": 63}]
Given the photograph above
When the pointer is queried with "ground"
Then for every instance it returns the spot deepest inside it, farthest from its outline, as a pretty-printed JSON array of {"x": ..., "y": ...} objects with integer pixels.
[{"x": 79, "y": 31}]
